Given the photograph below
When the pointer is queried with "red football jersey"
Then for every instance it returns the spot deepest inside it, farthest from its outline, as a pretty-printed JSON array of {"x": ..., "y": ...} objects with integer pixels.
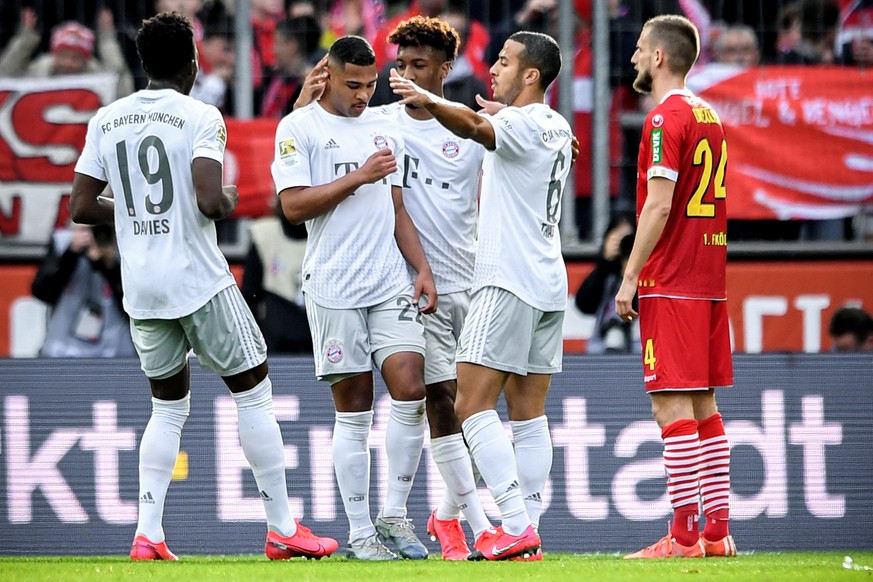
[{"x": 683, "y": 141}]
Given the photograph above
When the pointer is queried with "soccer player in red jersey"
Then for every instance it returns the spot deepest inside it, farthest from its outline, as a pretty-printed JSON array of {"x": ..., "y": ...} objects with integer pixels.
[{"x": 678, "y": 268}]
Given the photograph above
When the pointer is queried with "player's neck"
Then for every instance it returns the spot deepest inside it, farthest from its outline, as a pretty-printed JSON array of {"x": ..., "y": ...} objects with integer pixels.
[
  {"x": 661, "y": 88},
  {"x": 158, "y": 84}
]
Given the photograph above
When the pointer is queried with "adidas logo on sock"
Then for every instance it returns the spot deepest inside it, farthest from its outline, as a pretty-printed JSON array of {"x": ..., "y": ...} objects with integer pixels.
[
  {"x": 265, "y": 497},
  {"x": 331, "y": 145},
  {"x": 512, "y": 486},
  {"x": 534, "y": 497},
  {"x": 147, "y": 498}
]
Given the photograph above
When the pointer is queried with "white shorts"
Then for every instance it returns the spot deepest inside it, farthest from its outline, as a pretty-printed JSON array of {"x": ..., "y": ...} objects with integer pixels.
[
  {"x": 223, "y": 334},
  {"x": 347, "y": 342},
  {"x": 505, "y": 333},
  {"x": 441, "y": 332}
]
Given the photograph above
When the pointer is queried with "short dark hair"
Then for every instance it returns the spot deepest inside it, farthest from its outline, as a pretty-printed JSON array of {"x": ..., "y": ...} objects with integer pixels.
[
  {"x": 678, "y": 37},
  {"x": 541, "y": 52},
  {"x": 352, "y": 50},
  {"x": 425, "y": 31},
  {"x": 852, "y": 320},
  {"x": 165, "y": 44}
]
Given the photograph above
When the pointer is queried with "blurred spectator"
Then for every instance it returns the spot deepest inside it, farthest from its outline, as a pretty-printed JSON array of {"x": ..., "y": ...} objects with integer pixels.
[
  {"x": 271, "y": 283},
  {"x": 531, "y": 15},
  {"x": 474, "y": 48},
  {"x": 851, "y": 330},
  {"x": 217, "y": 59},
  {"x": 80, "y": 279},
  {"x": 596, "y": 295},
  {"x": 788, "y": 30},
  {"x": 266, "y": 14},
  {"x": 71, "y": 51},
  {"x": 296, "y": 48},
  {"x": 359, "y": 17},
  {"x": 737, "y": 44},
  {"x": 818, "y": 27},
  {"x": 463, "y": 82},
  {"x": 855, "y": 34}
]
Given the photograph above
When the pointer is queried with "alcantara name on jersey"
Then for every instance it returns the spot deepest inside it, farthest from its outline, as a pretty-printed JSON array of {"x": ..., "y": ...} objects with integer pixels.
[{"x": 140, "y": 118}]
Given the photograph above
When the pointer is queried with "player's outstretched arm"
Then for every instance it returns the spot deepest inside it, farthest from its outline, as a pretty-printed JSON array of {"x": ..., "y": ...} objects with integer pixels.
[
  {"x": 410, "y": 247},
  {"x": 300, "y": 203},
  {"x": 214, "y": 200},
  {"x": 457, "y": 118},
  {"x": 87, "y": 206}
]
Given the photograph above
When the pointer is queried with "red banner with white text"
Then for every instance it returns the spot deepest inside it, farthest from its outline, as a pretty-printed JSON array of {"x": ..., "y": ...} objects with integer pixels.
[
  {"x": 800, "y": 139},
  {"x": 42, "y": 131}
]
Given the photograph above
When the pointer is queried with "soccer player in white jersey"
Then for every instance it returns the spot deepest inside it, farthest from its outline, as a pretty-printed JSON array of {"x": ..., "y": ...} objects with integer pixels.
[
  {"x": 338, "y": 166},
  {"x": 161, "y": 152},
  {"x": 511, "y": 341},
  {"x": 441, "y": 186}
]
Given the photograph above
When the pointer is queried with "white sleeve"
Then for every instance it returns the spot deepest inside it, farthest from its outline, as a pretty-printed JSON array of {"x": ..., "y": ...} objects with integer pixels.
[
  {"x": 511, "y": 132},
  {"x": 90, "y": 163},
  {"x": 290, "y": 165},
  {"x": 211, "y": 136},
  {"x": 400, "y": 155}
]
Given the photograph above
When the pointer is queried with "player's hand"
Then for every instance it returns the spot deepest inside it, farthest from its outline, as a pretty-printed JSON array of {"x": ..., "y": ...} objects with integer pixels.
[
  {"x": 574, "y": 150},
  {"x": 624, "y": 300},
  {"x": 489, "y": 107},
  {"x": 231, "y": 194},
  {"x": 28, "y": 19},
  {"x": 382, "y": 163},
  {"x": 105, "y": 20},
  {"x": 425, "y": 287},
  {"x": 313, "y": 84},
  {"x": 410, "y": 93}
]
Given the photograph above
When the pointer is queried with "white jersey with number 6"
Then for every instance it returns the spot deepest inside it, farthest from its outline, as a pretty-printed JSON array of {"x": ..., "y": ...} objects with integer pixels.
[
  {"x": 520, "y": 206},
  {"x": 352, "y": 259},
  {"x": 143, "y": 146}
]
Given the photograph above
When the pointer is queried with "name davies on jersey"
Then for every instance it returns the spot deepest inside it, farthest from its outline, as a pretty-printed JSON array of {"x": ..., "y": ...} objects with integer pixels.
[
  {"x": 140, "y": 118},
  {"x": 151, "y": 227}
]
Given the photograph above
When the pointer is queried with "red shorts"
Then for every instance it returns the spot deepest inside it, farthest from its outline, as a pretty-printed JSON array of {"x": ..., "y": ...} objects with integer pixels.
[{"x": 686, "y": 344}]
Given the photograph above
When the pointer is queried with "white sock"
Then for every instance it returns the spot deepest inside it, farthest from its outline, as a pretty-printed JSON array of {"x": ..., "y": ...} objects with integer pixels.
[
  {"x": 404, "y": 439},
  {"x": 533, "y": 457},
  {"x": 261, "y": 442},
  {"x": 492, "y": 452},
  {"x": 158, "y": 450},
  {"x": 351, "y": 462},
  {"x": 453, "y": 461}
]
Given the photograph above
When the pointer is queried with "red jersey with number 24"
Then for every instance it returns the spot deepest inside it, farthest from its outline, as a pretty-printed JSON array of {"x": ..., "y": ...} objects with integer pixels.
[{"x": 683, "y": 141}]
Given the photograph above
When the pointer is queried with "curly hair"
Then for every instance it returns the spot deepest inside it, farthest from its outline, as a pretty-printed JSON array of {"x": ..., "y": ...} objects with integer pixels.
[
  {"x": 165, "y": 44},
  {"x": 425, "y": 31}
]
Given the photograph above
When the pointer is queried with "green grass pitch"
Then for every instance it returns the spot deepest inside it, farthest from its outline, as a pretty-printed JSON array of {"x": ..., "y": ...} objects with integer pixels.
[{"x": 591, "y": 567}]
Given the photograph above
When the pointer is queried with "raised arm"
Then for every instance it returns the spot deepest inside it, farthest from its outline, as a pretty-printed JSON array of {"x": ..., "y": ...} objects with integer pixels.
[{"x": 457, "y": 118}]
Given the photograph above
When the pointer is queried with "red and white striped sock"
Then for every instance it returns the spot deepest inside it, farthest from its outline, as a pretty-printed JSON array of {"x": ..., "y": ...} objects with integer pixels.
[
  {"x": 681, "y": 456},
  {"x": 715, "y": 476}
]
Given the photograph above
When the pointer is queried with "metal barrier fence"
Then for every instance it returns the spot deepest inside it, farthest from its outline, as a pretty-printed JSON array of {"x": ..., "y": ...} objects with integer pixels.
[{"x": 800, "y": 427}]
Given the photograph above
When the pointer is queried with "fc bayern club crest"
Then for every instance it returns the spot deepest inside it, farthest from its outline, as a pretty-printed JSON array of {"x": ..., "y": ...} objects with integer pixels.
[
  {"x": 334, "y": 353},
  {"x": 451, "y": 149},
  {"x": 381, "y": 142},
  {"x": 657, "y": 120}
]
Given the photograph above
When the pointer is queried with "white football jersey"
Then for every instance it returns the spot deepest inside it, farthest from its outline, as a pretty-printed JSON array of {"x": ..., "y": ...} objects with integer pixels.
[
  {"x": 352, "y": 259},
  {"x": 520, "y": 206},
  {"x": 440, "y": 190},
  {"x": 143, "y": 146}
]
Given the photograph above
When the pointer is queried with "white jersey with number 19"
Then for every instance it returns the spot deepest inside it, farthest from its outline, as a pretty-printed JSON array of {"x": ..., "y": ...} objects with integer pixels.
[
  {"x": 520, "y": 206},
  {"x": 143, "y": 146}
]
